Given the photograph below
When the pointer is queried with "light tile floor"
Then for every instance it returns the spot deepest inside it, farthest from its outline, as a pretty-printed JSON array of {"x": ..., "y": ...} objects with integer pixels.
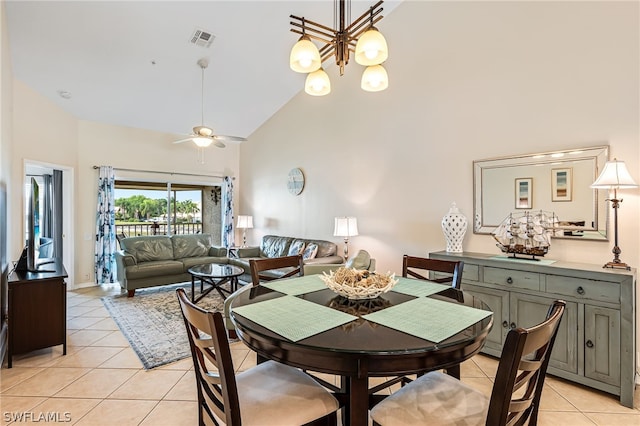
[{"x": 101, "y": 381}]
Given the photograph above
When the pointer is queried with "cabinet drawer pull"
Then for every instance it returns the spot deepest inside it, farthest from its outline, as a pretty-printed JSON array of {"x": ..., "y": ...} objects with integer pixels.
[
  {"x": 509, "y": 280},
  {"x": 580, "y": 290},
  {"x": 505, "y": 324},
  {"x": 589, "y": 344},
  {"x": 513, "y": 325}
]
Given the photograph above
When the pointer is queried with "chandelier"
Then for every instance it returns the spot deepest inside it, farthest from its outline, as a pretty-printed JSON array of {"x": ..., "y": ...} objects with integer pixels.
[{"x": 360, "y": 38}]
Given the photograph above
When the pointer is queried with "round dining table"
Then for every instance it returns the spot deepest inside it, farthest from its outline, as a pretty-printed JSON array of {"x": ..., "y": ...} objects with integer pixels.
[{"x": 361, "y": 348}]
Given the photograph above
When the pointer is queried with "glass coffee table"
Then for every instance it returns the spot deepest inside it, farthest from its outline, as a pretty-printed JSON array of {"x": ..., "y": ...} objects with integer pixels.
[{"x": 215, "y": 275}]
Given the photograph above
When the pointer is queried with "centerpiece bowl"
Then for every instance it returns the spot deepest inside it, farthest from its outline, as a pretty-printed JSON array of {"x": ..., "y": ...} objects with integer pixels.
[{"x": 357, "y": 284}]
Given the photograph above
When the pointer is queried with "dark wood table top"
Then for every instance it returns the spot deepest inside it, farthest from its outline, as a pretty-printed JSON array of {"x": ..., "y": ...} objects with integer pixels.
[{"x": 360, "y": 349}]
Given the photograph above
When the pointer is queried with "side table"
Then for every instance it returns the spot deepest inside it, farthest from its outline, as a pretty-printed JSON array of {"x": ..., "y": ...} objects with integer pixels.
[{"x": 37, "y": 311}]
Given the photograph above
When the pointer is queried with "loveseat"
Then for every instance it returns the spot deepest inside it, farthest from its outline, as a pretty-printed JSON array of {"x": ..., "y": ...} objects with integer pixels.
[
  {"x": 159, "y": 259},
  {"x": 276, "y": 246}
]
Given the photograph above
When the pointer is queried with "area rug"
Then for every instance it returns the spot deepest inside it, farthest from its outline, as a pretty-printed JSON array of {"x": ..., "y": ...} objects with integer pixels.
[{"x": 153, "y": 324}]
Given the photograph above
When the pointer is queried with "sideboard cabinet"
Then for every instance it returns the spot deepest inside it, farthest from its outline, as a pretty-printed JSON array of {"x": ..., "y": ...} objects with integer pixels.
[{"x": 596, "y": 342}]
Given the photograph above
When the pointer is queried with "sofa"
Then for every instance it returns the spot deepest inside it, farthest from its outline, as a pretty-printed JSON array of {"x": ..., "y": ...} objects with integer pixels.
[
  {"x": 277, "y": 246},
  {"x": 160, "y": 259}
]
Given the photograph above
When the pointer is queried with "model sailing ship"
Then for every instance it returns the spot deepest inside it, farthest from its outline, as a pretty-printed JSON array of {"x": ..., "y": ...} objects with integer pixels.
[{"x": 526, "y": 233}]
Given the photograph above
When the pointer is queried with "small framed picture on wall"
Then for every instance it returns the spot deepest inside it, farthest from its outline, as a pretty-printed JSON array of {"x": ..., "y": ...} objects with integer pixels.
[
  {"x": 524, "y": 189},
  {"x": 561, "y": 184}
]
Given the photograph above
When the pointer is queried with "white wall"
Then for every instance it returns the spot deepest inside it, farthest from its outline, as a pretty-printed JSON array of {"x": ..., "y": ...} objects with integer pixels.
[
  {"x": 468, "y": 80},
  {"x": 6, "y": 112}
]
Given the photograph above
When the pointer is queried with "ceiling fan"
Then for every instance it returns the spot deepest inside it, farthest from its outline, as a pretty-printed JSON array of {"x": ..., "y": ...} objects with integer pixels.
[{"x": 202, "y": 135}]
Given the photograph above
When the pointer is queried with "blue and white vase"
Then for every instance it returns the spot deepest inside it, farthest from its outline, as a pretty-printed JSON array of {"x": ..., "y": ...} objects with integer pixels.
[{"x": 454, "y": 226}]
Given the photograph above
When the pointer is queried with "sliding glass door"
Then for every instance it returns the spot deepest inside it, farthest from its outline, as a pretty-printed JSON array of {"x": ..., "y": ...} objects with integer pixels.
[{"x": 152, "y": 208}]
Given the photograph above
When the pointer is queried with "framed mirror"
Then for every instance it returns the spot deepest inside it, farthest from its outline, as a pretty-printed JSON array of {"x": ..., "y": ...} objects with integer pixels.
[{"x": 557, "y": 182}]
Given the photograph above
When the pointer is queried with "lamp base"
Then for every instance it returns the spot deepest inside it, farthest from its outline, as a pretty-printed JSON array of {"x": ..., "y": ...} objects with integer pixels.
[{"x": 617, "y": 264}]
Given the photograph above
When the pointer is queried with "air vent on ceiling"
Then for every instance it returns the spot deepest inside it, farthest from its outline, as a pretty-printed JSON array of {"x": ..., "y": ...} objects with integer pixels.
[{"x": 202, "y": 38}]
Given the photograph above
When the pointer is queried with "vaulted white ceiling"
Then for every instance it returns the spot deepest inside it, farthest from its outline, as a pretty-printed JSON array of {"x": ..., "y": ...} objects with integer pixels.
[{"x": 131, "y": 63}]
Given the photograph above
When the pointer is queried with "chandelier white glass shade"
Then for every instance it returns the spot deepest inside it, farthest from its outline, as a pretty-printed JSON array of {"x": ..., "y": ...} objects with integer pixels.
[
  {"x": 371, "y": 48},
  {"x": 317, "y": 83},
  {"x": 374, "y": 79},
  {"x": 360, "y": 38},
  {"x": 305, "y": 56}
]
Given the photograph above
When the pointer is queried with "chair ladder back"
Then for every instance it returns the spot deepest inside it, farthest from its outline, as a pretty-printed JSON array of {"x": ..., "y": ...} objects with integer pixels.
[
  {"x": 524, "y": 361},
  {"x": 217, "y": 391},
  {"x": 260, "y": 265},
  {"x": 455, "y": 268}
]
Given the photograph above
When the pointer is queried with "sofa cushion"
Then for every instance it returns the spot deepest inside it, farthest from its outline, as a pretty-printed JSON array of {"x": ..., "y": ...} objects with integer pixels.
[
  {"x": 275, "y": 246},
  {"x": 325, "y": 248},
  {"x": 154, "y": 268},
  {"x": 311, "y": 251},
  {"x": 194, "y": 245},
  {"x": 361, "y": 260},
  {"x": 296, "y": 248},
  {"x": 150, "y": 248}
]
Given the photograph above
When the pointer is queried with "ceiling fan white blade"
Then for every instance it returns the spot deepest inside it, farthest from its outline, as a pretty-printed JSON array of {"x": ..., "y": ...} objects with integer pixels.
[
  {"x": 218, "y": 143},
  {"x": 229, "y": 138},
  {"x": 190, "y": 139}
]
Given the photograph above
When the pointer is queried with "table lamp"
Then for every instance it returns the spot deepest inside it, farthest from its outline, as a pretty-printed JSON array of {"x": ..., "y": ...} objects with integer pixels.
[
  {"x": 345, "y": 227},
  {"x": 615, "y": 176},
  {"x": 244, "y": 222}
]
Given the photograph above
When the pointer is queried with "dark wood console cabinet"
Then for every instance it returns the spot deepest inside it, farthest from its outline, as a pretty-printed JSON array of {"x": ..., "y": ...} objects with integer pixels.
[{"x": 37, "y": 310}]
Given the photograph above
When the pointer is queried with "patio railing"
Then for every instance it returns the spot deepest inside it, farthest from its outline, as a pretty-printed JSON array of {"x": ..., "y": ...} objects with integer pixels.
[{"x": 153, "y": 228}]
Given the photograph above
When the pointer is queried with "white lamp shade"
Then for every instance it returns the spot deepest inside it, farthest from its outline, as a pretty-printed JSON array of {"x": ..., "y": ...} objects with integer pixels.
[
  {"x": 374, "y": 79},
  {"x": 202, "y": 142},
  {"x": 614, "y": 175},
  {"x": 304, "y": 56},
  {"x": 371, "y": 48},
  {"x": 345, "y": 227},
  {"x": 317, "y": 83},
  {"x": 245, "y": 222}
]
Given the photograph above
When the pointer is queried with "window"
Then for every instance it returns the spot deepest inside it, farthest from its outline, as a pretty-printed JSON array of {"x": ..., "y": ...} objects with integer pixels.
[{"x": 159, "y": 208}]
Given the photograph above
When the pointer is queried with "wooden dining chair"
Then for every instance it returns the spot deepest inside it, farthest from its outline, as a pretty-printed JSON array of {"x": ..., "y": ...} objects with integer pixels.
[
  {"x": 265, "y": 393},
  {"x": 419, "y": 267},
  {"x": 437, "y": 398},
  {"x": 258, "y": 266},
  {"x": 410, "y": 265}
]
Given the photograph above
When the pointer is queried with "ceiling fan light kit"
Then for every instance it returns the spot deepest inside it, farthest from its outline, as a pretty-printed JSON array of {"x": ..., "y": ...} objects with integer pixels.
[
  {"x": 202, "y": 135},
  {"x": 360, "y": 38}
]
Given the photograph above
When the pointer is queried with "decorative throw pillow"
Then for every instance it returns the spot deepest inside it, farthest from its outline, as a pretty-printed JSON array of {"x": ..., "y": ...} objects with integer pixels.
[
  {"x": 361, "y": 260},
  {"x": 296, "y": 248},
  {"x": 310, "y": 252}
]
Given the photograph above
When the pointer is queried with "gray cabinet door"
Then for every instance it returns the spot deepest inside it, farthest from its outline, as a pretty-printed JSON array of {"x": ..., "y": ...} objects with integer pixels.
[
  {"x": 498, "y": 301},
  {"x": 527, "y": 311},
  {"x": 602, "y": 343}
]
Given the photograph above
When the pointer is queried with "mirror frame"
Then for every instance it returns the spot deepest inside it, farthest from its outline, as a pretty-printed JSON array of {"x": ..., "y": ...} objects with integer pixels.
[{"x": 598, "y": 153}]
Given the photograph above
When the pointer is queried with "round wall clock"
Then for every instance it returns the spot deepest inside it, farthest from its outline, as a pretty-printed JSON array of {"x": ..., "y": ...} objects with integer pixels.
[{"x": 295, "y": 181}]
